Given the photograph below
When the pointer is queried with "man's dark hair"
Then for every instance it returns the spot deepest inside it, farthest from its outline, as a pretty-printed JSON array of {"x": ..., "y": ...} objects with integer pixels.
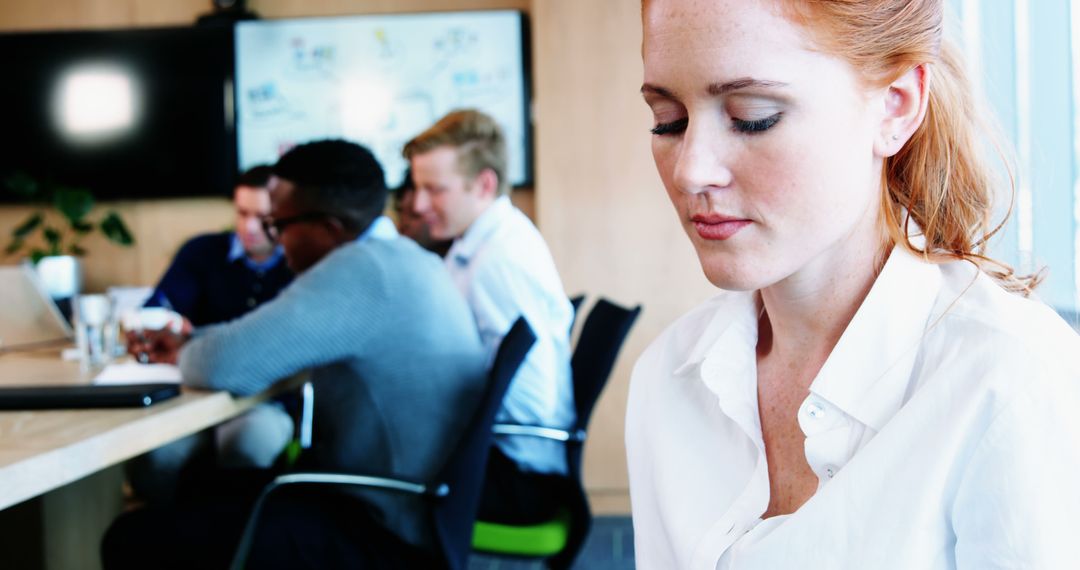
[
  {"x": 336, "y": 177},
  {"x": 255, "y": 177}
]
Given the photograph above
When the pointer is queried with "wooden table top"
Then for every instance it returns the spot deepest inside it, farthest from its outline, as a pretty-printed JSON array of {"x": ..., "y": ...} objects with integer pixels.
[{"x": 43, "y": 450}]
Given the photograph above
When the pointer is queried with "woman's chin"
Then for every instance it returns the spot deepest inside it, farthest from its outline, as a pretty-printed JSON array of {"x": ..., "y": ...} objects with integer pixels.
[
  {"x": 732, "y": 274},
  {"x": 732, "y": 280}
]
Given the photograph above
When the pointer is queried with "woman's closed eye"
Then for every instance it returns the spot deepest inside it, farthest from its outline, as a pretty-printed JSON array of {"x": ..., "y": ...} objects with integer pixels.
[
  {"x": 746, "y": 126},
  {"x": 754, "y": 126},
  {"x": 671, "y": 128}
]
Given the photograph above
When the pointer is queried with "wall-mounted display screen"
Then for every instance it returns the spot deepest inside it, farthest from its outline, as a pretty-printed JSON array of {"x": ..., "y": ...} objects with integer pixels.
[
  {"x": 164, "y": 112},
  {"x": 128, "y": 114},
  {"x": 379, "y": 81}
]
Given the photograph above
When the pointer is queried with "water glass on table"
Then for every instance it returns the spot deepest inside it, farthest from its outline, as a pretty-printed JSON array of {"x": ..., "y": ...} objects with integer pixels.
[{"x": 95, "y": 329}]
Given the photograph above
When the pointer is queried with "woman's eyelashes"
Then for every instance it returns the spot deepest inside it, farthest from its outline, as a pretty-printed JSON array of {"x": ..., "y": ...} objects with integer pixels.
[
  {"x": 674, "y": 127},
  {"x": 752, "y": 126},
  {"x": 755, "y": 125}
]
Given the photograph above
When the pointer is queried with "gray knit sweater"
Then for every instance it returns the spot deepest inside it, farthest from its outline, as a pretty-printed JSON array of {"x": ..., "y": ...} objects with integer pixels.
[{"x": 395, "y": 357}]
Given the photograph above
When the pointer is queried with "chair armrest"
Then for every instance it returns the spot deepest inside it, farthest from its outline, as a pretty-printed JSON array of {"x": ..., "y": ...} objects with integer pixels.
[
  {"x": 307, "y": 414},
  {"x": 384, "y": 483},
  {"x": 575, "y": 436}
]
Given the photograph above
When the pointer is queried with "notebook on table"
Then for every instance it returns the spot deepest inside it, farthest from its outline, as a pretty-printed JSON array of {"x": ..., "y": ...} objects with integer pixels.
[{"x": 85, "y": 396}]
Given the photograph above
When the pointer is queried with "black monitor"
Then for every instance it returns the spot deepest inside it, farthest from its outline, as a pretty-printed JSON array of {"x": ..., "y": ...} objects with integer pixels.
[{"x": 143, "y": 113}]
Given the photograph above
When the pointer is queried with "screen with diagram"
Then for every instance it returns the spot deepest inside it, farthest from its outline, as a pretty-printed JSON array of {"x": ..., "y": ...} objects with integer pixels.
[{"x": 379, "y": 81}]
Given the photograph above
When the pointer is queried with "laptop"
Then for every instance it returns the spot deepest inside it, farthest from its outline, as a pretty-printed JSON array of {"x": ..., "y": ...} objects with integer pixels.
[
  {"x": 85, "y": 396},
  {"x": 28, "y": 317}
]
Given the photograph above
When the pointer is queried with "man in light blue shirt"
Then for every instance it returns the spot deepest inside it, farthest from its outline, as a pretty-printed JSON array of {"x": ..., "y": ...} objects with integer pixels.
[{"x": 502, "y": 266}]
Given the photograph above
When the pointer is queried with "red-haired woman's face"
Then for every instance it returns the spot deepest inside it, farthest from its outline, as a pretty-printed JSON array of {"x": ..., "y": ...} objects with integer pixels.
[{"x": 764, "y": 144}]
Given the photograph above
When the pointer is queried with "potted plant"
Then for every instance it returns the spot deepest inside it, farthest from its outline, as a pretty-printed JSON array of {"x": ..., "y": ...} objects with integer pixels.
[{"x": 50, "y": 237}]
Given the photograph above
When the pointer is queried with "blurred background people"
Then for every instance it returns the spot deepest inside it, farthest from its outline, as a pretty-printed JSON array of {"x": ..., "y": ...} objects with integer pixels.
[
  {"x": 412, "y": 225},
  {"x": 501, "y": 264},
  {"x": 216, "y": 278}
]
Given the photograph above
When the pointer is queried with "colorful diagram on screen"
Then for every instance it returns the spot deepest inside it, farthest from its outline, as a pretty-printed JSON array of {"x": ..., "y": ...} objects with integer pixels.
[{"x": 377, "y": 80}]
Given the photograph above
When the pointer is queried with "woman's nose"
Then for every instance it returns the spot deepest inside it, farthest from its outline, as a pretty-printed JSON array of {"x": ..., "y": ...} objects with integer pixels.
[{"x": 702, "y": 161}]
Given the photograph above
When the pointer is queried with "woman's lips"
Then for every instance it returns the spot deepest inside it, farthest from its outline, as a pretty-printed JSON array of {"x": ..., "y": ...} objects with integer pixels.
[{"x": 716, "y": 227}]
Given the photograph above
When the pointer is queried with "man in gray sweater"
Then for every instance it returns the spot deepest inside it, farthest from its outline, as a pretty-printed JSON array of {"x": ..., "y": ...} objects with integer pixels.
[{"x": 394, "y": 356}]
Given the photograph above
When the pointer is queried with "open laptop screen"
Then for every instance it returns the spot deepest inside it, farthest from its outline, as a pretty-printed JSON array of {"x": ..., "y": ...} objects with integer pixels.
[{"x": 28, "y": 317}]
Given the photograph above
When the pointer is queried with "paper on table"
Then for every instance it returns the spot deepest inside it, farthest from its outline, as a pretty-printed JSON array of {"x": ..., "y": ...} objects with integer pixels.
[{"x": 135, "y": 373}]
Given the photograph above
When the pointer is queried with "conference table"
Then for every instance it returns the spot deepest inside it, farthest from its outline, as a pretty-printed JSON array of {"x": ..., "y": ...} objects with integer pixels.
[{"x": 60, "y": 470}]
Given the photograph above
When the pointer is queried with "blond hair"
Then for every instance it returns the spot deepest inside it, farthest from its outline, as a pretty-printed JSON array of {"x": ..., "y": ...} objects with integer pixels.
[
  {"x": 477, "y": 138},
  {"x": 941, "y": 178}
]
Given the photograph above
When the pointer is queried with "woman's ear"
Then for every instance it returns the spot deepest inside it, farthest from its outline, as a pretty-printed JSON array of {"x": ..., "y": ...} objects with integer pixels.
[{"x": 904, "y": 109}]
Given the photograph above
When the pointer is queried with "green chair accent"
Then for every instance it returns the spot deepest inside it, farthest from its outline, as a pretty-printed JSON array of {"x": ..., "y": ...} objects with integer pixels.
[{"x": 539, "y": 540}]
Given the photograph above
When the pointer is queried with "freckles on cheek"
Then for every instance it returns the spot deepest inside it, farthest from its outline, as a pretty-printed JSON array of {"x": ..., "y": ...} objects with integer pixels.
[{"x": 794, "y": 167}]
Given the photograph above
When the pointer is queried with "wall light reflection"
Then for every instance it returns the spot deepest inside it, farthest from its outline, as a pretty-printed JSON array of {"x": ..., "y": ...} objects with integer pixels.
[{"x": 96, "y": 102}]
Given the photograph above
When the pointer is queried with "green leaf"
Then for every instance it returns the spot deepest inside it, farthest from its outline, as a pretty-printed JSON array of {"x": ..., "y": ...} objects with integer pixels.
[
  {"x": 76, "y": 249},
  {"x": 116, "y": 230},
  {"x": 82, "y": 227},
  {"x": 36, "y": 255},
  {"x": 73, "y": 203},
  {"x": 22, "y": 185},
  {"x": 15, "y": 245},
  {"x": 52, "y": 238},
  {"x": 30, "y": 224}
]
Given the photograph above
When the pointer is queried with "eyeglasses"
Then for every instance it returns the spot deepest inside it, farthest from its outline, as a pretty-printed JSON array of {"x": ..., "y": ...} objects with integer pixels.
[{"x": 274, "y": 227}]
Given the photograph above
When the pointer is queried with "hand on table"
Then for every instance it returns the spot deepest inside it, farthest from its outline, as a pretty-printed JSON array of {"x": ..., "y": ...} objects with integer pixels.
[{"x": 161, "y": 346}]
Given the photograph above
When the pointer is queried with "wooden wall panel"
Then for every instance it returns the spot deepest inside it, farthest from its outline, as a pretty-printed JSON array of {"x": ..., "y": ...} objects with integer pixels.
[
  {"x": 82, "y": 14},
  {"x": 159, "y": 226},
  {"x": 600, "y": 203}
]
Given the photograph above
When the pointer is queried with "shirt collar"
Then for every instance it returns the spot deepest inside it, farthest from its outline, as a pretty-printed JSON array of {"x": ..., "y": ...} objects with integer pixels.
[
  {"x": 478, "y": 233},
  {"x": 382, "y": 228},
  {"x": 236, "y": 252},
  {"x": 868, "y": 372},
  {"x": 734, "y": 323}
]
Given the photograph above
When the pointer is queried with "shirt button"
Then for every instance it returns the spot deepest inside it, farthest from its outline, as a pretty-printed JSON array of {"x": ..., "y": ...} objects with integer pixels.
[
  {"x": 251, "y": 302},
  {"x": 815, "y": 410},
  {"x": 830, "y": 471}
]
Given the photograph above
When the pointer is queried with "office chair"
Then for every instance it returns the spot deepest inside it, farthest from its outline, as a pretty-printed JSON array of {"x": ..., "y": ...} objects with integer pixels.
[
  {"x": 455, "y": 494},
  {"x": 559, "y": 540}
]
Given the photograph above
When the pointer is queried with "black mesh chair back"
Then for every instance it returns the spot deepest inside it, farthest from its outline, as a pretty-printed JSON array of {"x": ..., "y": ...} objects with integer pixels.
[
  {"x": 598, "y": 346},
  {"x": 463, "y": 474},
  {"x": 601, "y": 337},
  {"x": 455, "y": 494}
]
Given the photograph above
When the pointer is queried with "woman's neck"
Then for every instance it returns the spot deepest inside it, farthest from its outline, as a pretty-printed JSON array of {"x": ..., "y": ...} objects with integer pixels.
[{"x": 805, "y": 315}]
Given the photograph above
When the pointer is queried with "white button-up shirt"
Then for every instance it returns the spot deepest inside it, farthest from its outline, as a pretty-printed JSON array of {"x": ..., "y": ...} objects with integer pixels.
[
  {"x": 504, "y": 269},
  {"x": 944, "y": 429}
]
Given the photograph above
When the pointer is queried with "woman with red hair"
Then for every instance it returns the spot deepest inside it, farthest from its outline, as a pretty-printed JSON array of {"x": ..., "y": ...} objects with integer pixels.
[{"x": 869, "y": 389}]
